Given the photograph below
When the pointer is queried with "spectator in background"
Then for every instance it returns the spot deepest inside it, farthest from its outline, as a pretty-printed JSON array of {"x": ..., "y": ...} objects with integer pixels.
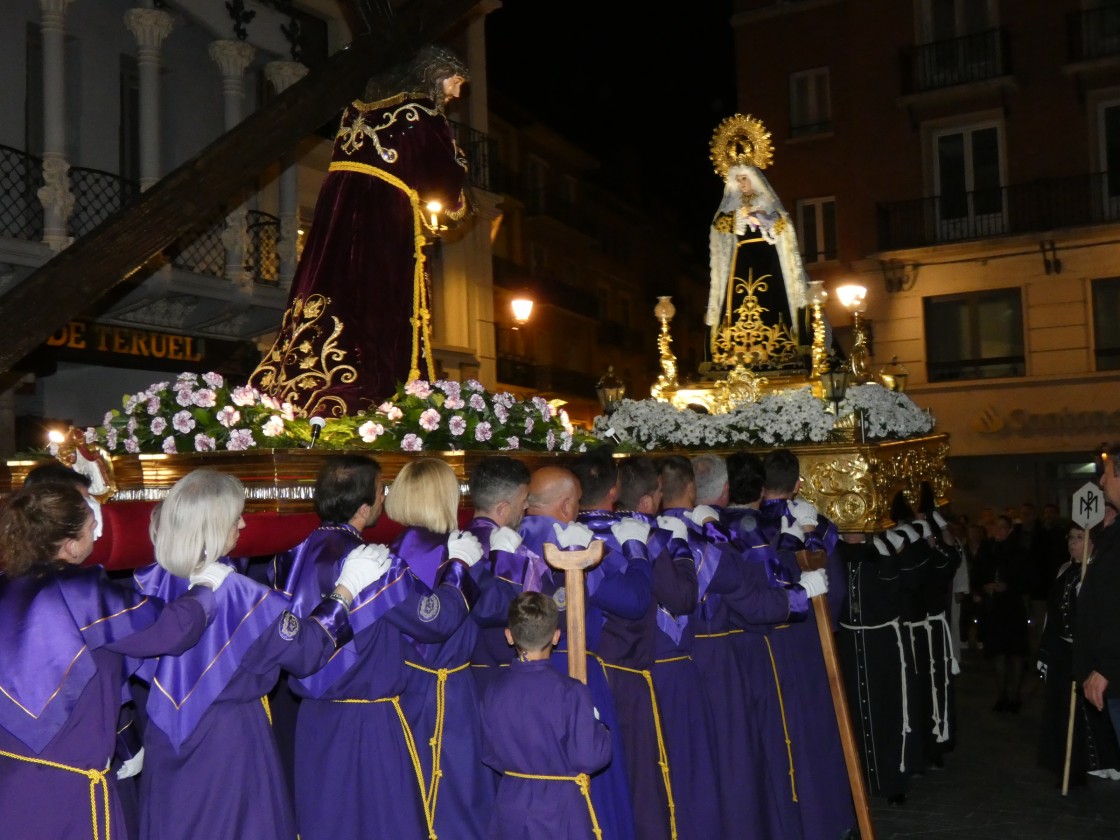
[
  {"x": 1001, "y": 581},
  {"x": 1096, "y": 653}
]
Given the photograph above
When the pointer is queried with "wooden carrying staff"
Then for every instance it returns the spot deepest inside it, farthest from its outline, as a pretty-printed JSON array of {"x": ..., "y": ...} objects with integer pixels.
[
  {"x": 575, "y": 563},
  {"x": 808, "y": 561}
]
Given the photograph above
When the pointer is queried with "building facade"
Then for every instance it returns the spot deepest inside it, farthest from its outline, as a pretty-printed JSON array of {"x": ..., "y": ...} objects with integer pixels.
[
  {"x": 961, "y": 160},
  {"x": 107, "y": 98}
]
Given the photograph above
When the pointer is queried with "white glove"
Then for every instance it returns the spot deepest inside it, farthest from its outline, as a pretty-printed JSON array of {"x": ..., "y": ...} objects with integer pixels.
[
  {"x": 463, "y": 545},
  {"x": 99, "y": 522},
  {"x": 814, "y": 583},
  {"x": 131, "y": 767},
  {"x": 363, "y": 566},
  {"x": 1040, "y": 666},
  {"x": 896, "y": 539},
  {"x": 674, "y": 526},
  {"x": 909, "y": 531},
  {"x": 939, "y": 520},
  {"x": 213, "y": 576},
  {"x": 880, "y": 546},
  {"x": 702, "y": 513},
  {"x": 922, "y": 527},
  {"x": 505, "y": 539},
  {"x": 575, "y": 535},
  {"x": 793, "y": 530},
  {"x": 630, "y": 529},
  {"x": 803, "y": 513}
]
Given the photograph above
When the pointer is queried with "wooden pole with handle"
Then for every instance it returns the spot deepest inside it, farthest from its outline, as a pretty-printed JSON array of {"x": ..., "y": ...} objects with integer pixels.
[
  {"x": 575, "y": 563},
  {"x": 809, "y": 560}
]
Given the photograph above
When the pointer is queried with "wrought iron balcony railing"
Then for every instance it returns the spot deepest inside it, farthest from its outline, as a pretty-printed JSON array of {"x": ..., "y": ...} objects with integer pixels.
[
  {"x": 480, "y": 152},
  {"x": 97, "y": 196},
  {"x": 1093, "y": 33},
  {"x": 1019, "y": 208},
  {"x": 21, "y": 213},
  {"x": 957, "y": 61},
  {"x": 261, "y": 258}
]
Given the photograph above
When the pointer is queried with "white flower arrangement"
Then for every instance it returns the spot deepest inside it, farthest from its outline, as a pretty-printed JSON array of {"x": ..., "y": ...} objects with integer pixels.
[{"x": 777, "y": 419}]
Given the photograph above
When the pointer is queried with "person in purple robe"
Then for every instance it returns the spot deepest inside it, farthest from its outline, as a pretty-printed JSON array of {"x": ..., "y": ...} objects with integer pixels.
[
  {"x": 552, "y": 507},
  {"x": 441, "y": 701},
  {"x": 542, "y": 733},
  {"x": 806, "y": 758},
  {"x": 352, "y": 728},
  {"x": 684, "y": 728},
  {"x": 208, "y": 716},
  {"x": 499, "y": 495},
  {"x": 69, "y": 640},
  {"x": 358, "y": 314},
  {"x": 741, "y": 602},
  {"x": 623, "y": 607},
  {"x": 348, "y": 499}
]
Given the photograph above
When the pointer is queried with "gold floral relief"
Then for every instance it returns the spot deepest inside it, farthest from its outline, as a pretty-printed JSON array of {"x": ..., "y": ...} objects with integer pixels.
[
  {"x": 305, "y": 361},
  {"x": 351, "y": 137},
  {"x": 840, "y": 487}
]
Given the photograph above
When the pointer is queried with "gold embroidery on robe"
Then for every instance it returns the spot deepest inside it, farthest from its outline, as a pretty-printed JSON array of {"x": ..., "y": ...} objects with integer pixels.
[{"x": 292, "y": 371}]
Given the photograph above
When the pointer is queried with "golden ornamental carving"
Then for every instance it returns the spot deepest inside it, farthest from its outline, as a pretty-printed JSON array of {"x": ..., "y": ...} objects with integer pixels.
[
  {"x": 740, "y": 140},
  {"x": 840, "y": 487},
  {"x": 301, "y": 332},
  {"x": 744, "y": 338},
  {"x": 353, "y": 135}
]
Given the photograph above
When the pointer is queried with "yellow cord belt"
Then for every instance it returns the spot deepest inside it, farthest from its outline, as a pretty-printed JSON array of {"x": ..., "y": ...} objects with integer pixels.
[
  {"x": 421, "y": 320},
  {"x": 583, "y": 782},
  {"x": 96, "y": 777},
  {"x": 441, "y": 675},
  {"x": 662, "y": 754},
  {"x": 722, "y": 635},
  {"x": 410, "y": 743},
  {"x": 782, "y": 709}
]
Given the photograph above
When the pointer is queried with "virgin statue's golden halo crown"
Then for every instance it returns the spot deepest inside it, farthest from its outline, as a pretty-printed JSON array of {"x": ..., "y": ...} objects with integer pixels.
[{"x": 741, "y": 140}]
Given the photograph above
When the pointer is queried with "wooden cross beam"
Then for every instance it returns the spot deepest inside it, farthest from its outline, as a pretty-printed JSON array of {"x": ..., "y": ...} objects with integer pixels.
[
  {"x": 574, "y": 564},
  {"x": 124, "y": 243}
]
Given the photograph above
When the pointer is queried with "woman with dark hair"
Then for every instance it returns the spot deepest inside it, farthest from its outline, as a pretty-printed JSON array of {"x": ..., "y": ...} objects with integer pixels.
[
  {"x": 208, "y": 719},
  {"x": 1001, "y": 579},
  {"x": 363, "y": 720},
  {"x": 64, "y": 639},
  {"x": 1094, "y": 741}
]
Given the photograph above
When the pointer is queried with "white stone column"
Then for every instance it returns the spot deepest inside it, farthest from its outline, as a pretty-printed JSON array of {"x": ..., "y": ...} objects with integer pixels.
[
  {"x": 55, "y": 195},
  {"x": 479, "y": 107},
  {"x": 149, "y": 27},
  {"x": 233, "y": 58},
  {"x": 284, "y": 74}
]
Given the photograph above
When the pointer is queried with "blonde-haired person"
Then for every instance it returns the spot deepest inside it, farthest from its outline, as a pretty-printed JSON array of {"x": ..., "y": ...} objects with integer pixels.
[
  {"x": 69, "y": 640},
  {"x": 443, "y": 710},
  {"x": 209, "y": 724},
  {"x": 352, "y": 727}
]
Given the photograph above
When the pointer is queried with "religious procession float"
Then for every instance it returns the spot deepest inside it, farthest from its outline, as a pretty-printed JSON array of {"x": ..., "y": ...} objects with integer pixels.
[{"x": 772, "y": 380}]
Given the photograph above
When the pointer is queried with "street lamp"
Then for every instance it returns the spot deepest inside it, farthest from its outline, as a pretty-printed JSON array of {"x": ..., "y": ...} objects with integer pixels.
[
  {"x": 834, "y": 384},
  {"x": 853, "y": 297},
  {"x": 522, "y": 308},
  {"x": 610, "y": 390}
]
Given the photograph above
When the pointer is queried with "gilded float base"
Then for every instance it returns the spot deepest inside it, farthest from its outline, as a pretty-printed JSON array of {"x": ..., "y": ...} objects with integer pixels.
[{"x": 850, "y": 482}]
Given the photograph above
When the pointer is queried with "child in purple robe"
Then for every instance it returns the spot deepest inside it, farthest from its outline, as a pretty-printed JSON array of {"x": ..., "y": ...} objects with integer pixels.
[
  {"x": 64, "y": 643},
  {"x": 542, "y": 733},
  {"x": 209, "y": 727}
]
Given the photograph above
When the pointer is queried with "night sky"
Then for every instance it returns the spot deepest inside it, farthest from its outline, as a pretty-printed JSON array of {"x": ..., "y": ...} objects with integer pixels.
[{"x": 638, "y": 86}]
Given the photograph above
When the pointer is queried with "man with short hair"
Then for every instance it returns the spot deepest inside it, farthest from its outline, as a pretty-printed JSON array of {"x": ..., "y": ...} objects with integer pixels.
[
  {"x": 550, "y": 517},
  {"x": 1096, "y": 646},
  {"x": 816, "y": 798},
  {"x": 684, "y": 742},
  {"x": 499, "y": 493}
]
